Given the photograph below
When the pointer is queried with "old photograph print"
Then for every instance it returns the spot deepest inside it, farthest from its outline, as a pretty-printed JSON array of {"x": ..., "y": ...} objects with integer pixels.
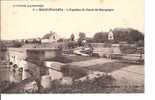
[{"x": 72, "y": 46}]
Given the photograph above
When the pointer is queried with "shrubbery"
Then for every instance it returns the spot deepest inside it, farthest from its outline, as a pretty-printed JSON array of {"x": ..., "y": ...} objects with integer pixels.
[{"x": 120, "y": 34}]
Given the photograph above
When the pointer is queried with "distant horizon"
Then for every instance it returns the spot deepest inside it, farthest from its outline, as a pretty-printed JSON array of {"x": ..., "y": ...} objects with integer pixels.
[{"x": 76, "y": 34}]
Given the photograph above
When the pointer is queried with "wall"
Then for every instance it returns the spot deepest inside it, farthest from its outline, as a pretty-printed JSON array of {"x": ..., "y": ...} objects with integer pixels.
[
  {"x": 105, "y": 49},
  {"x": 4, "y": 74},
  {"x": 4, "y": 67},
  {"x": 55, "y": 74},
  {"x": 43, "y": 53},
  {"x": 30, "y": 70},
  {"x": 54, "y": 69},
  {"x": 35, "y": 54}
]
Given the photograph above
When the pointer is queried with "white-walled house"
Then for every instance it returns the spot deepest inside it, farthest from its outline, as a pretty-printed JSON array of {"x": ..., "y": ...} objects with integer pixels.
[{"x": 50, "y": 37}]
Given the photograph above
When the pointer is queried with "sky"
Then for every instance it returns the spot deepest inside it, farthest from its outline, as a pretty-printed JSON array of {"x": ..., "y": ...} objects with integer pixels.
[{"x": 23, "y": 22}]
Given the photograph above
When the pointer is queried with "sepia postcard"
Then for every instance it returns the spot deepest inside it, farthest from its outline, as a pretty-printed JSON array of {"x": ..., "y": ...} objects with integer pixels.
[{"x": 71, "y": 46}]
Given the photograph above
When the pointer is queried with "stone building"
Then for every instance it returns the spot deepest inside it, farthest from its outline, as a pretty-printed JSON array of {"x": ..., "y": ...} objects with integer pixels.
[{"x": 50, "y": 37}]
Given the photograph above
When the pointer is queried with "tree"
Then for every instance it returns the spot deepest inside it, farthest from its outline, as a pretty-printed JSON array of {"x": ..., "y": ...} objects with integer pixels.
[
  {"x": 72, "y": 44},
  {"x": 100, "y": 37},
  {"x": 82, "y": 36},
  {"x": 60, "y": 40},
  {"x": 89, "y": 40},
  {"x": 127, "y": 34},
  {"x": 26, "y": 41},
  {"x": 16, "y": 43},
  {"x": 72, "y": 37}
]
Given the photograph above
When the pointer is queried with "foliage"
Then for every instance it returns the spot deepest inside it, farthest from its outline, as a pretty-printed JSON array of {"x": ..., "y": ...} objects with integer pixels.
[
  {"x": 128, "y": 35},
  {"x": 60, "y": 40},
  {"x": 72, "y": 37},
  {"x": 72, "y": 44},
  {"x": 82, "y": 36},
  {"x": 17, "y": 44},
  {"x": 100, "y": 37}
]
